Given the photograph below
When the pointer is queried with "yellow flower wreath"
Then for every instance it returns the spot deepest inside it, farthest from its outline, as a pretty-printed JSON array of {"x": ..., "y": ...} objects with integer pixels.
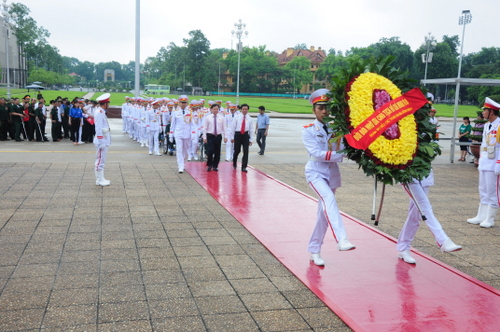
[{"x": 397, "y": 151}]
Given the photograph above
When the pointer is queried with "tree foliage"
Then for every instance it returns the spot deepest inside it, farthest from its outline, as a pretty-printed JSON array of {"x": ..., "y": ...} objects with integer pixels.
[{"x": 195, "y": 64}]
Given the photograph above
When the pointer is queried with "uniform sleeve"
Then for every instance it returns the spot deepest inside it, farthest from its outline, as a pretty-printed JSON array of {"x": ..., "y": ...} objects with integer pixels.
[
  {"x": 315, "y": 151},
  {"x": 250, "y": 132},
  {"x": 224, "y": 133},
  {"x": 231, "y": 130},
  {"x": 98, "y": 125},
  {"x": 173, "y": 121}
]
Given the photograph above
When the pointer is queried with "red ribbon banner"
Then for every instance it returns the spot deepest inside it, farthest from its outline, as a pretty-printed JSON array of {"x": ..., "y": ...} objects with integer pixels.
[{"x": 370, "y": 129}]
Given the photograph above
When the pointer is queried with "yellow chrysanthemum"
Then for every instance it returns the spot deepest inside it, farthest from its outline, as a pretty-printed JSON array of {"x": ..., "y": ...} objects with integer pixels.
[{"x": 397, "y": 151}]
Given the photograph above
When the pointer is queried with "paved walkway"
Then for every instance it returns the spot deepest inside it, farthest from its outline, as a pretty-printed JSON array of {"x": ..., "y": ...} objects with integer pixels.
[{"x": 155, "y": 252}]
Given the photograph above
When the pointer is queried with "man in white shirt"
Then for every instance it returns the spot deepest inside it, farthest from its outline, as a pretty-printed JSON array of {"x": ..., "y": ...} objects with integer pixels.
[
  {"x": 214, "y": 128},
  {"x": 180, "y": 128},
  {"x": 241, "y": 135}
]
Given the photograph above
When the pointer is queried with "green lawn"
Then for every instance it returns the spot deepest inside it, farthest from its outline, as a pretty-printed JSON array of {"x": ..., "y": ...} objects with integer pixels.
[
  {"x": 444, "y": 110},
  {"x": 281, "y": 105}
]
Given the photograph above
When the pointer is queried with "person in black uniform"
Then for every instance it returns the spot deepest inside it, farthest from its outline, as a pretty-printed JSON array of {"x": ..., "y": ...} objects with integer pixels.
[
  {"x": 4, "y": 119},
  {"x": 17, "y": 115},
  {"x": 39, "y": 119},
  {"x": 56, "y": 123}
]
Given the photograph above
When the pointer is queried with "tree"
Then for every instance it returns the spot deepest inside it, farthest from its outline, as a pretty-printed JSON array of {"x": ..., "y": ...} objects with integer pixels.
[
  {"x": 197, "y": 52},
  {"x": 393, "y": 46},
  {"x": 86, "y": 69},
  {"x": 331, "y": 66},
  {"x": 298, "y": 72},
  {"x": 49, "y": 77},
  {"x": 256, "y": 66},
  {"x": 30, "y": 38},
  {"x": 302, "y": 46}
]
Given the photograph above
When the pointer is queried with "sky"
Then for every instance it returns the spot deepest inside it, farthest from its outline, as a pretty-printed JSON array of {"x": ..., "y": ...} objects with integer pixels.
[{"x": 104, "y": 30}]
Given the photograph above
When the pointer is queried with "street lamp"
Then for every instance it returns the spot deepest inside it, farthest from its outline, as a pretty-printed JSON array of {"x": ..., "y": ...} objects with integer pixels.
[
  {"x": 240, "y": 32},
  {"x": 430, "y": 44},
  {"x": 464, "y": 19},
  {"x": 8, "y": 25}
]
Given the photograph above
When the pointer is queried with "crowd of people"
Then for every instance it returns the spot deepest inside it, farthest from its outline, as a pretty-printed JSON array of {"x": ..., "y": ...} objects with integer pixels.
[
  {"x": 26, "y": 119},
  {"x": 182, "y": 126}
]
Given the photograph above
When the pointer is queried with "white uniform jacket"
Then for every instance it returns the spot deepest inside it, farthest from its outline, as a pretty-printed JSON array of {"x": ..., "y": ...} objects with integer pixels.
[
  {"x": 181, "y": 124},
  {"x": 153, "y": 118},
  {"x": 229, "y": 119},
  {"x": 102, "y": 135},
  {"x": 489, "y": 139},
  {"x": 323, "y": 157}
]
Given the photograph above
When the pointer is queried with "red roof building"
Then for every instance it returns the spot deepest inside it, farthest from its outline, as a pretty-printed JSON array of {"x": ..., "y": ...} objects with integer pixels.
[{"x": 316, "y": 56}]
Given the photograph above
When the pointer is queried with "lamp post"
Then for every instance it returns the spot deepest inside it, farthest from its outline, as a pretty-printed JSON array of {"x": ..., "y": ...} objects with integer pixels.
[
  {"x": 239, "y": 33},
  {"x": 7, "y": 24},
  {"x": 464, "y": 19},
  {"x": 430, "y": 43}
]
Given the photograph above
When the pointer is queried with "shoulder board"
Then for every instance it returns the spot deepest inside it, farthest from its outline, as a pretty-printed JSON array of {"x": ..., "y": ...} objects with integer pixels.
[{"x": 309, "y": 125}]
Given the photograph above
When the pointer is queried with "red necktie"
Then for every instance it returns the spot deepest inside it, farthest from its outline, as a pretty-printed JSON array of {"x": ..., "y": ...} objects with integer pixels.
[{"x": 242, "y": 130}]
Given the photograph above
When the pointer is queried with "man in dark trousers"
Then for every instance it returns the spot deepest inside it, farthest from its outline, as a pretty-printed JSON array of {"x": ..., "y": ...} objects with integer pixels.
[
  {"x": 262, "y": 129},
  {"x": 17, "y": 116},
  {"x": 4, "y": 119},
  {"x": 56, "y": 121},
  {"x": 214, "y": 129},
  {"x": 241, "y": 135}
]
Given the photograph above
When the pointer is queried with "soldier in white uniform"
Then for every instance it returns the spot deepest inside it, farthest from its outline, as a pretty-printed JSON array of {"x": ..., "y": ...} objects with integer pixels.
[
  {"x": 195, "y": 131},
  {"x": 323, "y": 175},
  {"x": 229, "y": 123},
  {"x": 102, "y": 139},
  {"x": 489, "y": 167},
  {"x": 180, "y": 129},
  {"x": 143, "y": 130},
  {"x": 124, "y": 114},
  {"x": 420, "y": 190},
  {"x": 153, "y": 118}
]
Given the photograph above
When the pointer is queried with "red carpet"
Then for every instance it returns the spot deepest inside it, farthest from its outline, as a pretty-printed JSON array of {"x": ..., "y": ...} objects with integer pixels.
[{"x": 369, "y": 288}]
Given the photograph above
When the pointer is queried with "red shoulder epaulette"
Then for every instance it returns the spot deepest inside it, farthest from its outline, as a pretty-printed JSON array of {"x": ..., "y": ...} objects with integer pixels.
[{"x": 309, "y": 125}]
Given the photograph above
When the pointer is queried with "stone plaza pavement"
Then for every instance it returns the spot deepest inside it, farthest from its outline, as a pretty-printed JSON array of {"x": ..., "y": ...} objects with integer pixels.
[{"x": 155, "y": 252}]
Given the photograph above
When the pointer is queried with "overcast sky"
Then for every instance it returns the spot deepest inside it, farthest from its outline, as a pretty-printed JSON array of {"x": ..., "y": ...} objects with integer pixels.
[{"x": 104, "y": 30}]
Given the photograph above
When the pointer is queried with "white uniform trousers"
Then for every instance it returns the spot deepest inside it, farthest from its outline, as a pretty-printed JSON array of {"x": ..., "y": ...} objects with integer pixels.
[
  {"x": 229, "y": 150},
  {"x": 412, "y": 222},
  {"x": 488, "y": 191},
  {"x": 194, "y": 147},
  {"x": 100, "y": 157},
  {"x": 144, "y": 134},
  {"x": 124, "y": 123},
  {"x": 328, "y": 213},
  {"x": 182, "y": 146},
  {"x": 154, "y": 142}
]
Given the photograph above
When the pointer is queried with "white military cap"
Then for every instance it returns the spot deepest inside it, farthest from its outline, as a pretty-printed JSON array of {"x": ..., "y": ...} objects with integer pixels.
[
  {"x": 319, "y": 96},
  {"x": 491, "y": 104},
  {"x": 103, "y": 98}
]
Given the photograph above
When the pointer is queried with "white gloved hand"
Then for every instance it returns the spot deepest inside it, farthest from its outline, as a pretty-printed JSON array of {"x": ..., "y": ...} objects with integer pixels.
[{"x": 497, "y": 168}]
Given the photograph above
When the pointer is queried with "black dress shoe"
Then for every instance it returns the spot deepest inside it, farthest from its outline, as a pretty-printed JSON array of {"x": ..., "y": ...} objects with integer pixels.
[
  {"x": 216, "y": 169},
  {"x": 19, "y": 140},
  {"x": 244, "y": 170},
  {"x": 209, "y": 168},
  {"x": 234, "y": 167}
]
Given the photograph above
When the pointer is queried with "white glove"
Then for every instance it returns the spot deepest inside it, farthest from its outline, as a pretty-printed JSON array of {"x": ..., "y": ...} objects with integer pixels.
[
  {"x": 497, "y": 168},
  {"x": 171, "y": 139}
]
